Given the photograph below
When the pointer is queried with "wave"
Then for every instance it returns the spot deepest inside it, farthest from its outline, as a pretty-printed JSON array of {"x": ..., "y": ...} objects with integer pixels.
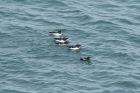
[
  {"x": 101, "y": 22},
  {"x": 48, "y": 22},
  {"x": 14, "y": 91},
  {"x": 122, "y": 83},
  {"x": 108, "y": 6},
  {"x": 5, "y": 35},
  {"x": 72, "y": 11},
  {"x": 126, "y": 21}
]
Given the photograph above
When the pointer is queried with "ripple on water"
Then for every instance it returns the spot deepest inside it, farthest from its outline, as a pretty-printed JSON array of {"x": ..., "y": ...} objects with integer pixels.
[{"x": 31, "y": 62}]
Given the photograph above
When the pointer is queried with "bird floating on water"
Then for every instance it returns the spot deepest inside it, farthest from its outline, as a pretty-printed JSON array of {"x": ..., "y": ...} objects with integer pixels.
[
  {"x": 58, "y": 33},
  {"x": 62, "y": 43},
  {"x": 86, "y": 58},
  {"x": 60, "y": 39},
  {"x": 75, "y": 47}
]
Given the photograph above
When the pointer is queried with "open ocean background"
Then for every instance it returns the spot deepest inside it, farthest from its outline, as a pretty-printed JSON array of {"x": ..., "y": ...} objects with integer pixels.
[{"x": 108, "y": 30}]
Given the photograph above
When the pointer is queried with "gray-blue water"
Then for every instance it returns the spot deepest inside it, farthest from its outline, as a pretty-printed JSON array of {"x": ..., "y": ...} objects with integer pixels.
[{"x": 108, "y": 30}]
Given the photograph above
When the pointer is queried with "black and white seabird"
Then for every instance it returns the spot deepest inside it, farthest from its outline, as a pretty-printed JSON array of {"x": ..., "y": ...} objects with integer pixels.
[
  {"x": 75, "y": 47},
  {"x": 60, "y": 39},
  {"x": 59, "y": 33},
  {"x": 86, "y": 58},
  {"x": 62, "y": 43}
]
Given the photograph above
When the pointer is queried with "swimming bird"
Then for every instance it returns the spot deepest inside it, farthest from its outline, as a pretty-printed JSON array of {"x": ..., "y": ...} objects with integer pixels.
[
  {"x": 86, "y": 58},
  {"x": 59, "y": 33},
  {"x": 75, "y": 47},
  {"x": 60, "y": 39},
  {"x": 62, "y": 43}
]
